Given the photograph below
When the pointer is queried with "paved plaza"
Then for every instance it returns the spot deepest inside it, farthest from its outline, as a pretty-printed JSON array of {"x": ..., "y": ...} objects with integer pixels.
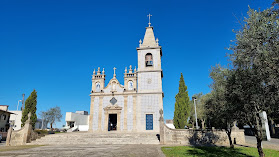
[{"x": 88, "y": 151}]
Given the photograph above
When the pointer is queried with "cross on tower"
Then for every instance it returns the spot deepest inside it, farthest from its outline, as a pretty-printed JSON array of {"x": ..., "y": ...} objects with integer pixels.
[
  {"x": 114, "y": 75},
  {"x": 149, "y": 19}
]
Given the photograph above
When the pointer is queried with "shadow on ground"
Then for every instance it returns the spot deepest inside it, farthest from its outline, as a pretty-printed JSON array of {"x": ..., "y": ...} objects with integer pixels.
[{"x": 216, "y": 151}]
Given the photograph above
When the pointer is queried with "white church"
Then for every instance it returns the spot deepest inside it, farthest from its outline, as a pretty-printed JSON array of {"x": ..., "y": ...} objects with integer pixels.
[{"x": 132, "y": 107}]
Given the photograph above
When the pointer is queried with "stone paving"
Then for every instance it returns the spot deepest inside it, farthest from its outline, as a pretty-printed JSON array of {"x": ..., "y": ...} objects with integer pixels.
[{"x": 88, "y": 151}]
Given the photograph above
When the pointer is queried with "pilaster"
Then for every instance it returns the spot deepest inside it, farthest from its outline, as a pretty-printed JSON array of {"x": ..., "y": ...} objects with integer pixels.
[
  {"x": 134, "y": 113},
  {"x": 91, "y": 115},
  {"x": 125, "y": 113},
  {"x": 100, "y": 113}
]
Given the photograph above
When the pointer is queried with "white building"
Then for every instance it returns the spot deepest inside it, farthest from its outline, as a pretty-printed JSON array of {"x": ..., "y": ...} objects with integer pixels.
[
  {"x": 78, "y": 120},
  {"x": 15, "y": 119}
]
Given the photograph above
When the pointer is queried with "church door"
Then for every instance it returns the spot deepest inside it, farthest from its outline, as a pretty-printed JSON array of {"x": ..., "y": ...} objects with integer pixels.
[
  {"x": 112, "y": 122},
  {"x": 149, "y": 122}
]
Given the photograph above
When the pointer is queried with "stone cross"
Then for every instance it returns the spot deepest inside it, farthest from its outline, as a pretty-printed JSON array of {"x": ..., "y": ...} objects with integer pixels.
[
  {"x": 149, "y": 20},
  {"x": 114, "y": 75}
]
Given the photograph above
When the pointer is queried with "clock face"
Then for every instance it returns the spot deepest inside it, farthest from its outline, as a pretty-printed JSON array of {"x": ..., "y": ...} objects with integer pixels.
[{"x": 130, "y": 85}]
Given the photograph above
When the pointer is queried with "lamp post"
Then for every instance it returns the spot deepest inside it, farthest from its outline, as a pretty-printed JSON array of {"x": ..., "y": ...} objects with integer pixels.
[
  {"x": 18, "y": 104},
  {"x": 194, "y": 98}
]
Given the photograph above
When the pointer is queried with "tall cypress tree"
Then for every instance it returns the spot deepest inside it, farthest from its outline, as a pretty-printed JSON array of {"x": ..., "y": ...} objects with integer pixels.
[
  {"x": 182, "y": 105},
  {"x": 30, "y": 106}
]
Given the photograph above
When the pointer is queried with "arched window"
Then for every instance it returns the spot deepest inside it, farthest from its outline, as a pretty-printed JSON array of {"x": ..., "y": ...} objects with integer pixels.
[
  {"x": 130, "y": 85},
  {"x": 98, "y": 87},
  {"x": 148, "y": 59}
]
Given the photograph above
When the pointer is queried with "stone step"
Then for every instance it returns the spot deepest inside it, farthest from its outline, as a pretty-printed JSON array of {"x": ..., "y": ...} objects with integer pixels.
[{"x": 97, "y": 138}]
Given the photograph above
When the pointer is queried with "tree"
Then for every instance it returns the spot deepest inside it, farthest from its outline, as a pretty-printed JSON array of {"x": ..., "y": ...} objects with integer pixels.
[
  {"x": 182, "y": 108},
  {"x": 30, "y": 106},
  {"x": 43, "y": 115},
  {"x": 254, "y": 85},
  {"x": 53, "y": 115},
  {"x": 219, "y": 112}
]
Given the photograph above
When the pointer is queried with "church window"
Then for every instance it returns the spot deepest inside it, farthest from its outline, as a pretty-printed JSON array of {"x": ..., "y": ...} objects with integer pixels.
[
  {"x": 130, "y": 85},
  {"x": 148, "y": 59},
  {"x": 98, "y": 87}
]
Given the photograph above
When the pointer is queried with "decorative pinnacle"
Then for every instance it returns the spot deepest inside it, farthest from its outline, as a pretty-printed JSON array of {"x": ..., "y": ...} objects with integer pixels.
[
  {"x": 125, "y": 69},
  {"x": 98, "y": 72},
  {"x": 130, "y": 70},
  {"x": 94, "y": 72},
  {"x": 140, "y": 42},
  {"x": 149, "y": 20},
  {"x": 103, "y": 71},
  {"x": 114, "y": 75},
  {"x": 157, "y": 42},
  {"x": 135, "y": 69}
]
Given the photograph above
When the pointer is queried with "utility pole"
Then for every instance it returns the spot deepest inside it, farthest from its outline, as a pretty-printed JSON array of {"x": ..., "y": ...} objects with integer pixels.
[
  {"x": 22, "y": 102},
  {"x": 194, "y": 98}
]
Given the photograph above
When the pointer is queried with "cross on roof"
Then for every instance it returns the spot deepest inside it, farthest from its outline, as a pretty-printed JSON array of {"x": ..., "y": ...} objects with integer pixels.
[
  {"x": 149, "y": 19},
  {"x": 114, "y": 75}
]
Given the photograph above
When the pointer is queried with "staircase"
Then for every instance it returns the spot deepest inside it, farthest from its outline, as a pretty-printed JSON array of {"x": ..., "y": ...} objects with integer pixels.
[{"x": 97, "y": 138}]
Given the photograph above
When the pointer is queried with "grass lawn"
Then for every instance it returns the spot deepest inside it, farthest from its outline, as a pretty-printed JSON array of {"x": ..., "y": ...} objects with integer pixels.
[
  {"x": 11, "y": 148},
  {"x": 216, "y": 151}
]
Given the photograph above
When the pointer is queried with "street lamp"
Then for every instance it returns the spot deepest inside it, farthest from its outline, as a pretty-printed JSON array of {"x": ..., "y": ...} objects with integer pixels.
[
  {"x": 194, "y": 98},
  {"x": 18, "y": 104}
]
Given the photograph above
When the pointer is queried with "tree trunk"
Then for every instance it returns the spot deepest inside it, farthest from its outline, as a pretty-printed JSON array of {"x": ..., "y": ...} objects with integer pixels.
[
  {"x": 259, "y": 146},
  {"x": 258, "y": 134},
  {"x": 272, "y": 128},
  {"x": 203, "y": 123},
  {"x": 229, "y": 133},
  {"x": 51, "y": 126}
]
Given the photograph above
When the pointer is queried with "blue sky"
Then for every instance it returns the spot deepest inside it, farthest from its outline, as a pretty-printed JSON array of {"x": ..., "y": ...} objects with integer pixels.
[{"x": 54, "y": 46}]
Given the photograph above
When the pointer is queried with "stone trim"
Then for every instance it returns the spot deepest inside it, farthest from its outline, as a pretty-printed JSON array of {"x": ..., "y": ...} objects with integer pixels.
[
  {"x": 109, "y": 94},
  {"x": 112, "y": 110}
]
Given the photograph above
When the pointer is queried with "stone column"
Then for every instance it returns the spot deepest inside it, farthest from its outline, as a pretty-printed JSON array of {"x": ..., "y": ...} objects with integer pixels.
[
  {"x": 125, "y": 113},
  {"x": 91, "y": 115},
  {"x": 100, "y": 114}
]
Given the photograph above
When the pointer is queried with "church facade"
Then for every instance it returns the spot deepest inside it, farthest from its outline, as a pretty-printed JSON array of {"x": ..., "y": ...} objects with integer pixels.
[{"x": 134, "y": 106}]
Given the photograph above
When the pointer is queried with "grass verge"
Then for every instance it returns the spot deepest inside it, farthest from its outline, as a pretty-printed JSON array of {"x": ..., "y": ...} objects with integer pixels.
[
  {"x": 191, "y": 151},
  {"x": 11, "y": 148}
]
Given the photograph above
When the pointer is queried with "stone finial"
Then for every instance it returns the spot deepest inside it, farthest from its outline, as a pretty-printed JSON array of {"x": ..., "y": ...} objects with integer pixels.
[
  {"x": 140, "y": 42},
  {"x": 98, "y": 72},
  {"x": 130, "y": 70},
  {"x": 135, "y": 70},
  {"x": 103, "y": 71},
  {"x": 125, "y": 70},
  {"x": 157, "y": 42},
  {"x": 94, "y": 72}
]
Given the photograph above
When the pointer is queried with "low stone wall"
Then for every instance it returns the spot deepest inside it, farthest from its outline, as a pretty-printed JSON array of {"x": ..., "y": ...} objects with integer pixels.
[
  {"x": 22, "y": 136},
  {"x": 201, "y": 137},
  {"x": 198, "y": 137}
]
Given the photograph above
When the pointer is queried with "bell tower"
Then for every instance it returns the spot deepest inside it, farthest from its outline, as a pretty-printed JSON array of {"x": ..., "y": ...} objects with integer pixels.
[
  {"x": 149, "y": 63},
  {"x": 149, "y": 75}
]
